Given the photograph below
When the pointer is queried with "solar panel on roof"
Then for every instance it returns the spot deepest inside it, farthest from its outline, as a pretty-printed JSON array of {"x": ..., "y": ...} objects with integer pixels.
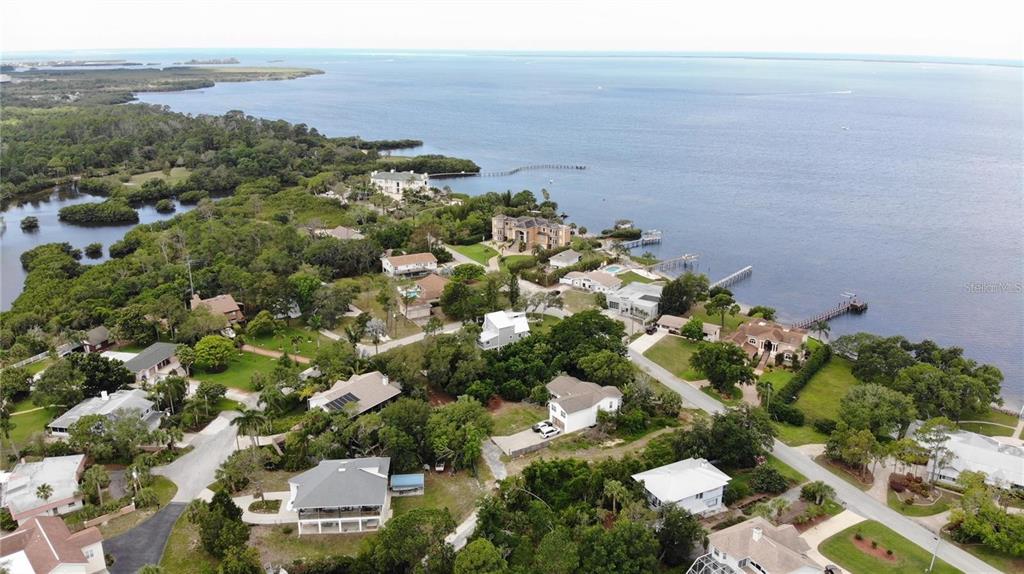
[{"x": 338, "y": 403}]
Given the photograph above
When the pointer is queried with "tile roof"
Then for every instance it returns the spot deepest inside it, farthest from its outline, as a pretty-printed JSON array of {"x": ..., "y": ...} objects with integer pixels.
[
  {"x": 761, "y": 329},
  {"x": 18, "y": 494},
  {"x": 222, "y": 304},
  {"x": 151, "y": 356},
  {"x": 48, "y": 543},
  {"x": 431, "y": 286},
  {"x": 339, "y": 483},
  {"x": 777, "y": 549},
  {"x": 411, "y": 259}
]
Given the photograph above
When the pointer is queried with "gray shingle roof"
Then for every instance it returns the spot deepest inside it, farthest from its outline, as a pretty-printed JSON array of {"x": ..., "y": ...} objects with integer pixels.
[
  {"x": 97, "y": 335},
  {"x": 150, "y": 356},
  {"x": 341, "y": 483},
  {"x": 133, "y": 399}
]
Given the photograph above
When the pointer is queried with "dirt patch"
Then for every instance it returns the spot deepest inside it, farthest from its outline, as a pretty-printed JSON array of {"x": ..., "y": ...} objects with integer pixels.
[
  {"x": 437, "y": 397},
  {"x": 495, "y": 403},
  {"x": 878, "y": 552},
  {"x": 865, "y": 479}
]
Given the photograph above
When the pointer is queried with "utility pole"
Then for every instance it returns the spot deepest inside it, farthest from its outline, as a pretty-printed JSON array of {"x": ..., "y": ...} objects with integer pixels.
[
  {"x": 191, "y": 286},
  {"x": 938, "y": 540}
]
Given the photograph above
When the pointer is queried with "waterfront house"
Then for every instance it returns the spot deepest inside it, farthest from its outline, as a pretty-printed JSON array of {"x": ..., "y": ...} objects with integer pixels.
[
  {"x": 501, "y": 328},
  {"x": 394, "y": 184},
  {"x": 574, "y": 404},
  {"x": 674, "y": 325},
  {"x": 357, "y": 395},
  {"x": 637, "y": 300},
  {"x": 126, "y": 402},
  {"x": 693, "y": 484},
  {"x": 411, "y": 265},
  {"x": 341, "y": 496},
  {"x": 1002, "y": 463},
  {"x": 756, "y": 545},
  {"x": 593, "y": 281},
  {"x": 340, "y": 232},
  {"x": 564, "y": 259},
  {"x": 97, "y": 339},
  {"x": 45, "y": 545},
  {"x": 761, "y": 336},
  {"x": 416, "y": 300},
  {"x": 528, "y": 232},
  {"x": 154, "y": 362},
  {"x": 220, "y": 305},
  {"x": 18, "y": 488}
]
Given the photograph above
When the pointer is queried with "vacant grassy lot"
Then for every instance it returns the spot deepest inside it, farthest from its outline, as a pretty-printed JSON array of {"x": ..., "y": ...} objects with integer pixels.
[
  {"x": 277, "y": 547},
  {"x": 820, "y": 398},
  {"x": 633, "y": 277},
  {"x": 513, "y": 417},
  {"x": 293, "y": 339},
  {"x": 477, "y": 252},
  {"x": 239, "y": 373},
  {"x": 38, "y": 366},
  {"x": 29, "y": 422},
  {"x": 674, "y": 354},
  {"x": 987, "y": 429},
  {"x": 183, "y": 553},
  {"x": 542, "y": 323},
  {"x": 796, "y": 436},
  {"x": 458, "y": 493},
  {"x": 576, "y": 301},
  {"x": 907, "y": 557}
]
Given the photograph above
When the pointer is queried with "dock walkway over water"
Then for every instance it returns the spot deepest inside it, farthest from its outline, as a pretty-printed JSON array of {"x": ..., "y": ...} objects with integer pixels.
[
  {"x": 507, "y": 172},
  {"x": 849, "y": 305},
  {"x": 733, "y": 278}
]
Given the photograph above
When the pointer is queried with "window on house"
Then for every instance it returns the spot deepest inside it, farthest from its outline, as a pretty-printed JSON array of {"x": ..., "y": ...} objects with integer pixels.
[{"x": 700, "y": 495}]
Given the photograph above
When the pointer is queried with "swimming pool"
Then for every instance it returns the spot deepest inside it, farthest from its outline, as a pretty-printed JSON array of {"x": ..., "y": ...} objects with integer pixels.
[{"x": 613, "y": 269}]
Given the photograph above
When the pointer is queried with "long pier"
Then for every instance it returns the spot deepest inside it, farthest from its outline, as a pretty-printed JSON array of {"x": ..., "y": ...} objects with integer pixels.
[
  {"x": 513, "y": 171},
  {"x": 684, "y": 260},
  {"x": 851, "y": 305},
  {"x": 646, "y": 238},
  {"x": 734, "y": 278}
]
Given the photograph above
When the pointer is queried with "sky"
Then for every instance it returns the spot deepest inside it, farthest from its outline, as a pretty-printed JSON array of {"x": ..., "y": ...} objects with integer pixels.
[{"x": 967, "y": 28}]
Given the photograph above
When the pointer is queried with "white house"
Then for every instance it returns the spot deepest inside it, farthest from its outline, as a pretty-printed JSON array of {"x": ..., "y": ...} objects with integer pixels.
[
  {"x": 574, "y": 403},
  {"x": 564, "y": 259},
  {"x": 502, "y": 328},
  {"x": 126, "y": 402},
  {"x": 154, "y": 362},
  {"x": 593, "y": 281},
  {"x": 756, "y": 545},
  {"x": 674, "y": 324},
  {"x": 341, "y": 496},
  {"x": 45, "y": 545},
  {"x": 395, "y": 183},
  {"x": 409, "y": 265},
  {"x": 1003, "y": 464},
  {"x": 18, "y": 488},
  {"x": 638, "y": 300},
  {"x": 693, "y": 484}
]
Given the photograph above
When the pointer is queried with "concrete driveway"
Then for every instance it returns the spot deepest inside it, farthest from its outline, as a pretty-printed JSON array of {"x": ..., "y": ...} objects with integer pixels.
[
  {"x": 522, "y": 440},
  {"x": 145, "y": 543},
  {"x": 195, "y": 470}
]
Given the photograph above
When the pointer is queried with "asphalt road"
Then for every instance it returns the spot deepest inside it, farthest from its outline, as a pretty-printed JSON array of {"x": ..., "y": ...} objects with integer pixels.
[
  {"x": 855, "y": 499},
  {"x": 145, "y": 543}
]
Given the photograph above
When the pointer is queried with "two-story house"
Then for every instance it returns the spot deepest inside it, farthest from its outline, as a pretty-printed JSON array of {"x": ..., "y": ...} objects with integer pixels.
[
  {"x": 574, "y": 404},
  {"x": 501, "y": 328},
  {"x": 528, "y": 232},
  {"x": 693, "y": 484},
  {"x": 394, "y": 184},
  {"x": 412, "y": 265}
]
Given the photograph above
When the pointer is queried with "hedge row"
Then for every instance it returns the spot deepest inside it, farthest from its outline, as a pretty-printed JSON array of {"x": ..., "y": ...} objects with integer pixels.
[{"x": 819, "y": 358}]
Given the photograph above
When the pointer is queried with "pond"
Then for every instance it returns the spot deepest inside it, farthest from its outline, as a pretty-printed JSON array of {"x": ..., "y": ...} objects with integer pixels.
[{"x": 45, "y": 207}]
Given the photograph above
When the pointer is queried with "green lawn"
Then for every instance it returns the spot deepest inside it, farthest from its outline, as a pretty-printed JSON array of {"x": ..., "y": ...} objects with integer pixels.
[
  {"x": 177, "y": 174},
  {"x": 633, "y": 277},
  {"x": 165, "y": 490},
  {"x": 998, "y": 417},
  {"x": 731, "y": 321},
  {"x": 576, "y": 301},
  {"x": 987, "y": 429},
  {"x": 908, "y": 558},
  {"x": 477, "y": 252},
  {"x": 777, "y": 377},
  {"x": 513, "y": 417},
  {"x": 998, "y": 560},
  {"x": 275, "y": 546},
  {"x": 459, "y": 494},
  {"x": 28, "y": 423},
  {"x": 674, "y": 354},
  {"x": 820, "y": 398},
  {"x": 542, "y": 323},
  {"x": 38, "y": 366},
  {"x": 505, "y": 262},
  {"x": 796, "y": 436},
  {"x": 282, "y": 341},
  {"x": 240, "y": 371},
  {"x": 940, "y": 505}
]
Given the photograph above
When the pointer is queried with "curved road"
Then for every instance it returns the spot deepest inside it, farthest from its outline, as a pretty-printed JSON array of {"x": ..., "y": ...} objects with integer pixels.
[{"x": 856, "y": 499}]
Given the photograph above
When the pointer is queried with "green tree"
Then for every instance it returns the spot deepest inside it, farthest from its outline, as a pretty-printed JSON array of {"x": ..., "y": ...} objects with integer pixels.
[
  {"x": 721, "y": 304},
  {"x": 678, "y": 533},
  {"x": 607, "y": 368},
  {"x": 44, "y": 491},
  {"x": 628, "y": 548},
  {"x": 513, "y": 289},
  {"x": 933, "y": 435},
  {"x": 61, "y": 384},
  {"x": 693, "y": 329},
  {"x": 186, "y": 357},
  {"x": 262, "y": 324},
  {"x": 724, "y": 364},
  {"x": 557, "y": 553},
  {"x": 480, "y": 557},
  {"x": 457, "y": 430},
  {"x": 881, "y": 410},
  {"x": 413, "y": 541},
  {"x": 94, "y": 480},
  {"x": 214, "y": 353},
  {"x": 682, "y": 293},
  {"x": 880, "y": 360},
  {"x": 241, "y": 560},
  {"x": 251, "y": 422},
  {"x": 817, "y": 492},
  {"x": 616, "y": 491}
]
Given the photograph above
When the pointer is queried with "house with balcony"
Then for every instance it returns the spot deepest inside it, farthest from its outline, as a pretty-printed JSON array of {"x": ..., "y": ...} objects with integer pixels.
[
  {"x": 342, "y": 496},
  {"x": 412, "y": 265},
  {"x": 220, "y": 305},
  {"x": 527, "y": 232},
  {"x": 394, "y": 184},
  {"x": 693, "y": 484},
  {"x": 637, "y": 300},
  {"x": 97, "y": 339}
]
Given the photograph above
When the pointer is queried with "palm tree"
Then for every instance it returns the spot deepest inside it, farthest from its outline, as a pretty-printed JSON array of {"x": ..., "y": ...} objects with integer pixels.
[
  {"x": 616, "y": 491},
  {"x": 250, "y": 422},
  {"x": 821, "y": 328},
  {"x": 44, "y": 491},
  {"x": 96, "y": 476},
  {"x": 764, "y": 393},
  {"x": 272, "y": 398}
]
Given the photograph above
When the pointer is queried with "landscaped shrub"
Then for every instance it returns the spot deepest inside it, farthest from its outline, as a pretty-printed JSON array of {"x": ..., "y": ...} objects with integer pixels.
[
  {"x": 824, "y": 426},
  {"x": 897, "y": 482},
  {"x": 735, "y": 491},
  {"x": 786, "y": 413},
  {"x": 519, "y": 264},
  {"x": 819, "y": 358},
  {"x": 766, "y": 479}
]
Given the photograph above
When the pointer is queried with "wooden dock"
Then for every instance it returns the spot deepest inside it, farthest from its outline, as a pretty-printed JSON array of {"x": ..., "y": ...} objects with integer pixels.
[
  {"x": 734, "y": 278},
  {"x": 685, "y": 260},
  {"x": 507, "y": 172},
  {"x": 646, "y": 238},
  {"x": 851, "y": 305}
]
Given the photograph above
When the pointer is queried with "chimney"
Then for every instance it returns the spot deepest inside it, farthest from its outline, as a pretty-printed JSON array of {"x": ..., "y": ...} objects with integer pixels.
[
  {"x": 385, "y": 380},
  {"x": 103, "y": 395},
  {"x": 756, "y": 534}
]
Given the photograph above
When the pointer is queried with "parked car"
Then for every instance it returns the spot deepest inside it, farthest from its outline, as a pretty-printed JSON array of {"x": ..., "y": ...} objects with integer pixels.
[
  {"x": 652, "y": 329},
  {"x": 549, "y": 432},
  {"x": 541, "y": 426}
]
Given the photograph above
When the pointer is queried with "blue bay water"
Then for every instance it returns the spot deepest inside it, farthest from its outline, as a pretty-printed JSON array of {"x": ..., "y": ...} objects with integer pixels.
[{"x": 901, "y": 182}]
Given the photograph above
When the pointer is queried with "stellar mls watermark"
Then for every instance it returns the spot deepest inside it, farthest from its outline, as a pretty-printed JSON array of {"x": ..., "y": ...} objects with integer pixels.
[{"x": 995, "y": 287}]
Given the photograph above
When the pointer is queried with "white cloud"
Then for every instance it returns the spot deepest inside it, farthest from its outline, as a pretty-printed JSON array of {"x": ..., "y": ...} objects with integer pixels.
[{"x": 986, "y": 28}]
